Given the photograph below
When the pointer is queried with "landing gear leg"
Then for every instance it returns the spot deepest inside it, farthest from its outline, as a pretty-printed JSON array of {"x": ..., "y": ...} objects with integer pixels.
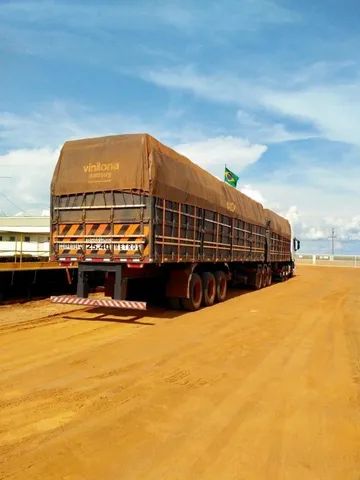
[{"x": 82, "y": 289}]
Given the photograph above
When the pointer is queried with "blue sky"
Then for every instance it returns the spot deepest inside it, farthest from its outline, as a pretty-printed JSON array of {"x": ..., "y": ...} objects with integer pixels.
[{"x": 270, "y": 87}]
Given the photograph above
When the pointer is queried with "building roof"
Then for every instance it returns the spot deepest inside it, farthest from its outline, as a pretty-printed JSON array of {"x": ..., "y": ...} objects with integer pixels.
[{"x": 25, "y": 224}]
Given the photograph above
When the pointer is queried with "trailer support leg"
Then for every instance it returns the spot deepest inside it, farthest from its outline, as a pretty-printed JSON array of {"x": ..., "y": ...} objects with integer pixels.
[
  {"x": 117, "y": 284},
  {"x": 120, "y": 285},
  {"x": 82, "y": 289}
]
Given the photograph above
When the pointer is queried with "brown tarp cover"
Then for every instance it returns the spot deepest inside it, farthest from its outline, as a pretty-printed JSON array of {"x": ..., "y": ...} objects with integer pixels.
[
  {"x": 140, "y": 163},
  {"x": 278, "y": 224}
]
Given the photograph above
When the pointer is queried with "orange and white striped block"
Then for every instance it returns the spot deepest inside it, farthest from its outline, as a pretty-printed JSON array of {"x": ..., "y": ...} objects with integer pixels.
[{"x": 99, "y": 302}]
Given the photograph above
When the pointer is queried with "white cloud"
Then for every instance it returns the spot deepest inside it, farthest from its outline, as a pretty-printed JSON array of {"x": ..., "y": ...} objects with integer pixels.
[
  {"x": 30, "y": 172},
  {"x": 333, "y": 109},
  {"x": 219, "y": 87},
  {"x": 253, "y": 193},
  {"x": 309, "y": 227},
  {"x": 267, "y": 132},
  {"x": 231, "y": 90},
  {"x": 237, "y": 153},
  {"x": 54, "y": 123},
  {"x": 70, "y": 30},
  {"x": 28, "y": 159},
  {"x": 51, "y": 124},
  {"x": 292, "y": 214},
  {"x": 346, "y": 228},
  {"x": 183, "y": 15}
]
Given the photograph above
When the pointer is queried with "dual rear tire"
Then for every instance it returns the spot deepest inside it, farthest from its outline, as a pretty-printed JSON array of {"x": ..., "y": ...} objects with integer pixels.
[
  {"x": 209, "y": 288},
  {"x": 205, "y": 290},
  {"x": 196, "y": 294},
  {"x": 286, "y": 273},
  {"x": 263, "y": 277}
]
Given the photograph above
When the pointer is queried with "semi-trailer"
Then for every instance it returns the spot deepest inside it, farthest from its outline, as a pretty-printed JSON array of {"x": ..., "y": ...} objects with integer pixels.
[{"x": 127, "y": 207}]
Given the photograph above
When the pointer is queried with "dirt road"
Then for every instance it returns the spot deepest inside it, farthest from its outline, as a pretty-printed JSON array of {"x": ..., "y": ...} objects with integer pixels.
[{"x": 264, "y": 386}]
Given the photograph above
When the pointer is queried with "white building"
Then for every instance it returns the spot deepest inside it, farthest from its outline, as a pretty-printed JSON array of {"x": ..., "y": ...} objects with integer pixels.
[{"x": 24, "y": 237}]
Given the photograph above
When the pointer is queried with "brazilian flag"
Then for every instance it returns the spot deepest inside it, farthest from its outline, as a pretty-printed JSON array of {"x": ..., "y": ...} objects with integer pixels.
[{"x": 230, "y": 177}]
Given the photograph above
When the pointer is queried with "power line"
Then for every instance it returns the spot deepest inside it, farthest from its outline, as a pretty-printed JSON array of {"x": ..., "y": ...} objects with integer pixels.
[{"x": 12, "y": 203}]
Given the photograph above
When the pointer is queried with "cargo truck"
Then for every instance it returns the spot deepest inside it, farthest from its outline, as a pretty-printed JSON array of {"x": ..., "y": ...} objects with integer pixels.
[{"x": 127, "y": 207}]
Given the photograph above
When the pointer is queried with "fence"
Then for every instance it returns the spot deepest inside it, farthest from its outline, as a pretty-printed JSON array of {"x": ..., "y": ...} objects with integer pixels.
[{"x": 328, "y": 260}]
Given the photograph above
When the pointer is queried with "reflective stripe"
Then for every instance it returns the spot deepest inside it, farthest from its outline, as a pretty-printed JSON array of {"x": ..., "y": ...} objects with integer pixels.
[{"x": 94, "y": 302}]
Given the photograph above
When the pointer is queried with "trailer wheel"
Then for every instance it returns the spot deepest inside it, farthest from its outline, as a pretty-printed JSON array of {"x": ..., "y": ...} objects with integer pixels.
[
  {"x": 265, "y": 276},
  {"x": 209, "y": 288},
  {"x": 259, "y": 278},
  {"x": 221, "y": 286},
  {"x": 196, "y": 293},
  {"x": 269, "y": 278},
  {"x": 287, "y": 273}
]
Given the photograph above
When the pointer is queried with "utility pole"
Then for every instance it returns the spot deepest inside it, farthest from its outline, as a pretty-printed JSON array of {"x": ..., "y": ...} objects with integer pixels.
[{"x": 332, "y": 237}]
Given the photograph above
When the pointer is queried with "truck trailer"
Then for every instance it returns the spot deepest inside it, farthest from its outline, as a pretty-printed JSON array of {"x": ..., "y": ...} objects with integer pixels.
[{"x": 126, "y": 207}]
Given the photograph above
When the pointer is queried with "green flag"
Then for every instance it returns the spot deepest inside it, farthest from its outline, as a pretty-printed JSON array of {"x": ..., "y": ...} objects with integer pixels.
[{"x": 230, "y": 177}]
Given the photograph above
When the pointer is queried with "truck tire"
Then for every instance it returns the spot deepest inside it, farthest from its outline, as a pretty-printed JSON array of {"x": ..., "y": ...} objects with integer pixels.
[
  {"x": 259, "y": 278},
  {"x": 265, "y": 274},
  {"x": 221, "y": 286},
  {"x": 209, "y": 288},
  {"x": 196, "y": 293},
  {"x": 269, "y": 278}
]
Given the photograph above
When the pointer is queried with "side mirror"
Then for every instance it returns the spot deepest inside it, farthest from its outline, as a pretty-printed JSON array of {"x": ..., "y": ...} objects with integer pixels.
[{"x": 296, "y": 244}]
